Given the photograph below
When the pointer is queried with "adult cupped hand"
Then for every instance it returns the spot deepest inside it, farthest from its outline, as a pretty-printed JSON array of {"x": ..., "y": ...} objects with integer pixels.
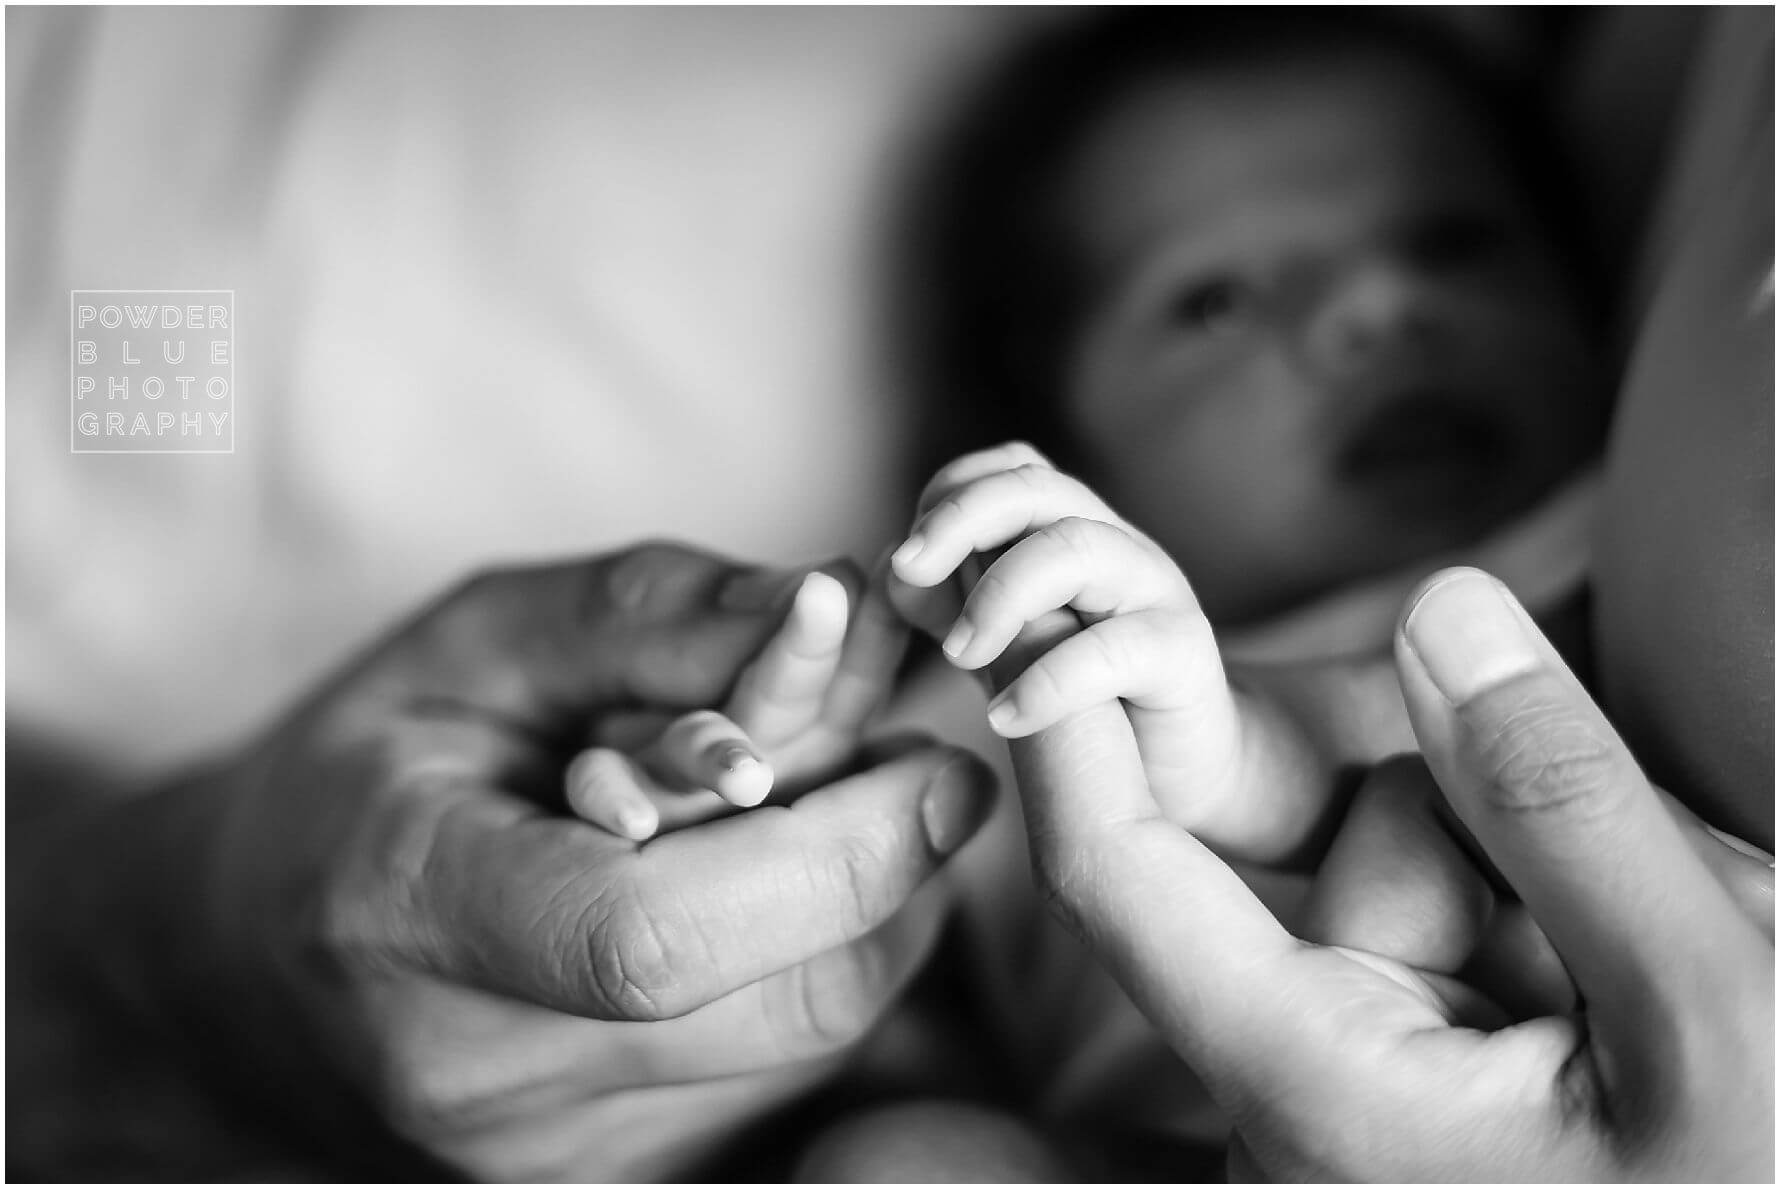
[
  {"x": 1336, "y": 1063},
  {"x": 388, "y": 897}
]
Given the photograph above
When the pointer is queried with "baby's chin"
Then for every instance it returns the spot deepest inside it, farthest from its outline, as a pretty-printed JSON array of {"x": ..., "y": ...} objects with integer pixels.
[
  {"x": 1429, "y": 480},
  {"x": 1420, "y": 516}
]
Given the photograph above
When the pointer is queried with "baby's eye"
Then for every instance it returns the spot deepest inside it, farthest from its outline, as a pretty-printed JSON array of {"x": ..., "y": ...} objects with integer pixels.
[{"x": 1220, "y": 306}]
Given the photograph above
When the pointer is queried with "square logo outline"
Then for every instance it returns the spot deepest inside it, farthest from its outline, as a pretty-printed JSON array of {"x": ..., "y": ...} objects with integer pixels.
[{"x": 74, "y": 364}]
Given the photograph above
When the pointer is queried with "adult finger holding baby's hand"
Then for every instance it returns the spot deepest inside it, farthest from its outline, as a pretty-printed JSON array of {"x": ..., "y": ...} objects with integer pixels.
[
  {"x": 504, "y": 982},
  {"x": 1341, "y": 1064},
  {"x": 1069, "y": 605}
]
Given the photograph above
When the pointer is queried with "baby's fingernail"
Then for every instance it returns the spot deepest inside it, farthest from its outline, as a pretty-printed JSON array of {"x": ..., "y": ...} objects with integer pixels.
[
  {"x": 957, "y": 802},
  {"x": 746, "y": 779},
  {"x": 908, "y": 551},
  {"x": 958, "y": 639},
  {"x": 1002, "y": 713},
  {"x": 1467, "y": 635},
  {"x": 637, "y": 821},
  {"x": 736, "y": 757}
]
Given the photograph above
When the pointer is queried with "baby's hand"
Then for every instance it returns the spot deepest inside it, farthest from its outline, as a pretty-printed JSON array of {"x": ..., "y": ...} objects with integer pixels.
[
  {"x": 1228, "y": 766},
  {"x": 792, "y": 722}
]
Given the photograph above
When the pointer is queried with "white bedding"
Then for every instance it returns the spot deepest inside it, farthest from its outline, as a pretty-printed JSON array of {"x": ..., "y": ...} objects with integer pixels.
[{"x": 508, "y": 283}]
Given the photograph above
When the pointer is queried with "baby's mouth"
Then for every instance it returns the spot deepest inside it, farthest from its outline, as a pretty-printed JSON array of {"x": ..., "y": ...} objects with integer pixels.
[{"x": 1422, "y": 440}]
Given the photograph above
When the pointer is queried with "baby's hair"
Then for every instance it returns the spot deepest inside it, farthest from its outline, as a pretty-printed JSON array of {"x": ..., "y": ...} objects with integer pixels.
[{"x": 988, "y": 285}]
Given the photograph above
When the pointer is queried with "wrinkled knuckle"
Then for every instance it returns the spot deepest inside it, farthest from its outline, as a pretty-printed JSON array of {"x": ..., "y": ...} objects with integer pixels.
[
  {"x": 1078, "y": 534},
  {"x": 992, "y": 596},
  {"x": 1550, "y": 760},
  {"x": 1059, "y": 900},
  {"x": 1107, "y": 649},
  {"x": 1040, "y": 685},
  {"x": 952, "y": 510},
  {"x": 852, "y": 878},
  {"x": 631, "y": 963},
  {"x": 1036, "y": 477},
  {"x": 1058, "y": 873}
]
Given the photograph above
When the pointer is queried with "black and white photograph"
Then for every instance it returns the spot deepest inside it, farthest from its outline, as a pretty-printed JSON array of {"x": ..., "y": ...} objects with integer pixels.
[{"x": 889, "y": 594}]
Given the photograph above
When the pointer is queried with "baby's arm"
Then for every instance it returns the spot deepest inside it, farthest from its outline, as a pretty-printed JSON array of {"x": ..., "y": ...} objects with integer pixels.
[
  {"x": 1228, "y": 764},
  {"x": 792, "y": 721}
]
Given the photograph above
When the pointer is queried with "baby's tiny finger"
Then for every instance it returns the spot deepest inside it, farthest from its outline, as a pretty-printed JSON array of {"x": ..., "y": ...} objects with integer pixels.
[
  {"x": 969, "y": 468},
  {"x": 876, "y": 638},
  {"x": 1088, "y": 565},
  {"x": 781, "y": 693},
  {"x": 604, "y": 787},
  {"x": 705, "y": 750},
  {"x": 988, "y": 513},
  {"x": 1135, "y": 657}
]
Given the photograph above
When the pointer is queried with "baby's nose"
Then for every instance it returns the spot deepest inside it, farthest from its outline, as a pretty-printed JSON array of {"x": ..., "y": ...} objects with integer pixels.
[{"x": 1372, "y": 315}]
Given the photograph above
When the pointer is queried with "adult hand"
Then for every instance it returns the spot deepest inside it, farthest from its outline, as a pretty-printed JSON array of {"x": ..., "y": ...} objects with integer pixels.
[
  {"x": 385, "y": 893},
  {"x": 1340, "y": 1064},
  {"x": 1405, "y": 880}
]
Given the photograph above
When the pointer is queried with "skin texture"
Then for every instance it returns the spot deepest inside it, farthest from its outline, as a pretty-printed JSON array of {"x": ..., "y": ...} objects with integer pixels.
[
  {"x": 374, "y": 914},
  {"x": 1329, "y": 335}
]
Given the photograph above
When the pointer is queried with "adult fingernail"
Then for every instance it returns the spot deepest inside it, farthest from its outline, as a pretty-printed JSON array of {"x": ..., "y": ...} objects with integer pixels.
[
  {"x": 957, "y": 802},
  {"x": 1741, "y": 847},
  {"x": 1467, "y": 635}
]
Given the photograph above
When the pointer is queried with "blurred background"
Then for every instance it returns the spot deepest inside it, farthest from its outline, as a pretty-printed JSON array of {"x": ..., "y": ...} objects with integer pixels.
[{"x": 508, "y": 284}]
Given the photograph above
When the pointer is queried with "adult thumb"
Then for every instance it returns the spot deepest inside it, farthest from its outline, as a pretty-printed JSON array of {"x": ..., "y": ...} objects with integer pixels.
[{"x": 1543, "y": 782}]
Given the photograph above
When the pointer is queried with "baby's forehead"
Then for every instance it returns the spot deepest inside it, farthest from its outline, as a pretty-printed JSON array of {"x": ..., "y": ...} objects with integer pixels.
[
  {"x": 1178, "y": 143},
  {"x": 1375, "y": 94}
]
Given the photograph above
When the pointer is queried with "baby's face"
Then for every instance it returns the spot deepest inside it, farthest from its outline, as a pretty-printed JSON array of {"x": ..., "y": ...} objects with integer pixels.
[{"x": 1328, "y": 336}]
